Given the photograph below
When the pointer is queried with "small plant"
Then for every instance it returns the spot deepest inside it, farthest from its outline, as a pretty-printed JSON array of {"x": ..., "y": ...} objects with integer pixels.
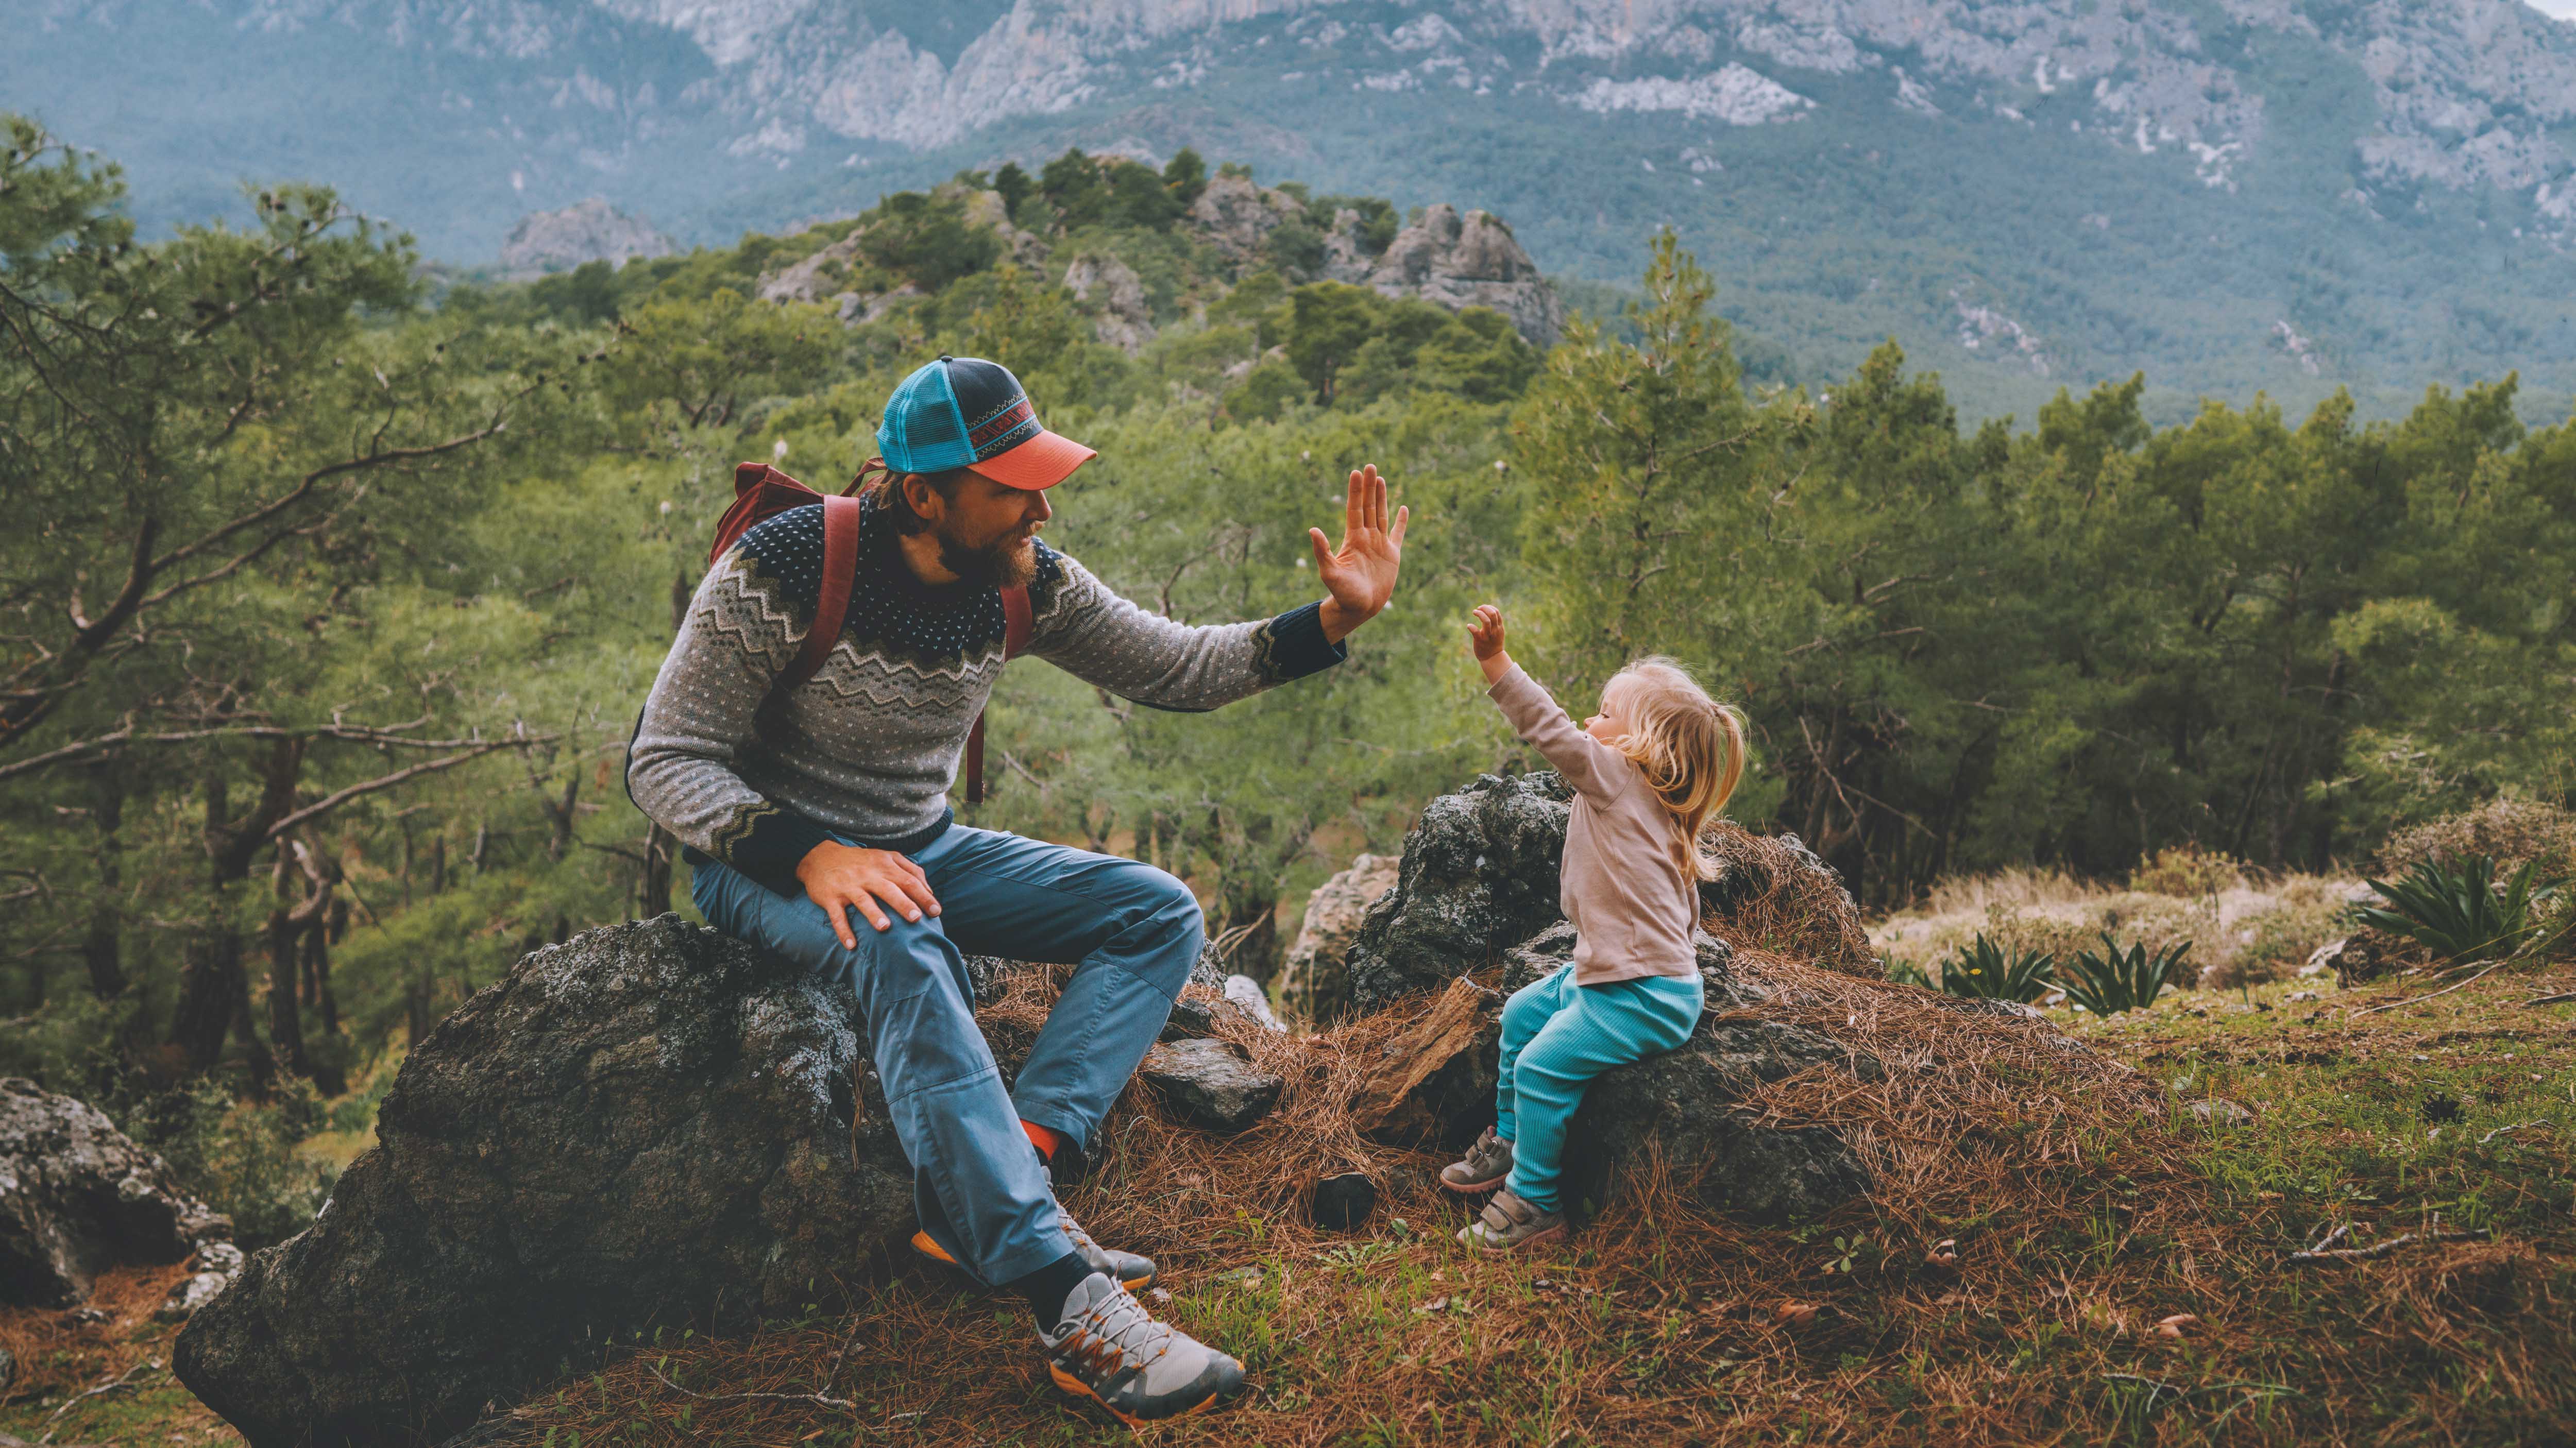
[
  {"x": 2119, "y": 980},
  {"x": 1986, "y": 971},
  {"x": 1902, "y": 971},
  {"x": 2456, "y": 913}
]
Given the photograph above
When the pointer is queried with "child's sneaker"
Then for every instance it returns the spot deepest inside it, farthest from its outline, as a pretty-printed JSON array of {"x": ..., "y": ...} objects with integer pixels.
[
  {"x": 1487, "y": 1163},
  {"x": 1508, "y": 1222}
]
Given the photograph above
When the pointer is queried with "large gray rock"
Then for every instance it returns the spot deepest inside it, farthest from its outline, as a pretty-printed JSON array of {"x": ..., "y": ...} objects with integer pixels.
[
  {"x": 1473, "y": 260},
  {"x": 1312, "y": 983},
  {"x": 1479, "y": 877},
  {"x": 1436, "y": 1088},
  {"x": 645, "y": 1123},
  {"x": 592, "y": 230},
  {"x": 1212, "y": 1084},
  {"x": 77, "y": 1196},
  {"x": 1116, "y": 295},
  {"x": 1479, "y": 880}
]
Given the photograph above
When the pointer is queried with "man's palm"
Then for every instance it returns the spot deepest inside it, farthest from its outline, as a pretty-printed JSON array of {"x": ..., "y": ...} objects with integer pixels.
[{"x": 1360, "y": 574}]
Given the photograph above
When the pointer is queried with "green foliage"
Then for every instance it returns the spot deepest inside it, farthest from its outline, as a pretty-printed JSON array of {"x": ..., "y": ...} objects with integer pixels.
[
  {"x": 239, "y": 1157},
  {"x": 1987, "y": 971},
  {"x": 2115, "y": 979},
  {"x": 2460, "y": 912},
  {"x": 926, "y": 241}
]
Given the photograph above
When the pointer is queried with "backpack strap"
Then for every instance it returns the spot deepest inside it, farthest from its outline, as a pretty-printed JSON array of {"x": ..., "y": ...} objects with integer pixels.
[
  {"x": 832, "y": 601},
  {"x": 1015, "y": 642},
  {"x": 1015, "y": 620}
]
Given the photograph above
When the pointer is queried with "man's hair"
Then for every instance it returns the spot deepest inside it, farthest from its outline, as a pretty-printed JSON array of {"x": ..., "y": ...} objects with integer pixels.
[{"x": 885, "y": 487}]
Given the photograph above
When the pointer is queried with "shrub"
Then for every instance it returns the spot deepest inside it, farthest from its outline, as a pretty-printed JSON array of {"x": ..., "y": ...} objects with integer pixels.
[
  {"x": 2117, "y": 980},
  {"x": 2457, "y": 913},
  {"x": 2187, "y": 870},
  {"x": 1987, "y": 971},
  {"x": 1902, "y": 971},
  {"x": 2513, "y": 832},
  {"x": 238, "y": 1156}
]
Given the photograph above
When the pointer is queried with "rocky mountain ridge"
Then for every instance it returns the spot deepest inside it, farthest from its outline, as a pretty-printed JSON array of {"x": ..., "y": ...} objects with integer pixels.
[{"x": 2279, "y": 195}]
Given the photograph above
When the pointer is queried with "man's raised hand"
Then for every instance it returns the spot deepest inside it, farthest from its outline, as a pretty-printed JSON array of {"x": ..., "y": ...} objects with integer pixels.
[
  {"x": 1360, "y": 574},
  {"x": 842, "y": 878}
]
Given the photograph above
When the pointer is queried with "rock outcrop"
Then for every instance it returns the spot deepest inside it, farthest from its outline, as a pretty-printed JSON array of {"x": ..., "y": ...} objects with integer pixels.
[
  {"x": 1116, "y": 296},
  {"x": 1237, "y": 217},
  {"x": 1470, "y": 261},
  {"x": 1312, "y": 982},
  {"x": 646, "y": 1122},
  {"x": 593, "y": 230},
  {"x": 1479, "y": 878},
  {"x": 1436, "y": 1088},
  {"x": 77, "y": 1196}
]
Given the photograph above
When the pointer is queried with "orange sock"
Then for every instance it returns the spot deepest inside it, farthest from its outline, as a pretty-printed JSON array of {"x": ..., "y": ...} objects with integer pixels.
[{"x": 1044, "y": 1140}]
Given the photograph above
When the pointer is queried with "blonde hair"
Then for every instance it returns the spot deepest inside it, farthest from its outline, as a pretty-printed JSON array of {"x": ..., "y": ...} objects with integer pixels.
[{"x": 1689, "y": 746}]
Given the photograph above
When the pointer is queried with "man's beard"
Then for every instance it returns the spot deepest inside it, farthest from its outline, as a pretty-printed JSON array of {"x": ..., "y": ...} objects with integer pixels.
[{"x": 1010, "y": 563}]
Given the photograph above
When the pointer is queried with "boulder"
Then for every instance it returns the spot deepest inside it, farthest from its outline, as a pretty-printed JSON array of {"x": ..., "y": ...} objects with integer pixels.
[
  {"x": 1116, "y": 296},
  {"x": 1478, "y": 877},
  {"x": 1237, "y": 217},
  {"x": 585, "y": 231},
  {"x": 77, "y": 1197},
  {"x": 1211, "y": 1084},
  {"x": 646, "y": 1123},
  {"x": 1437, "y": 1088},
  {"x": 2361, "y": 957},
  {"x": 1312, "y": 982},
  {"x": 1473, "y": 260},
  {"x": 1773, "y": 891}
]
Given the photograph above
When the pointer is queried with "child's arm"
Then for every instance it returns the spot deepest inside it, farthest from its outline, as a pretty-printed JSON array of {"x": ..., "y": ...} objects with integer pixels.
[{"x": 1589, "y": 765}]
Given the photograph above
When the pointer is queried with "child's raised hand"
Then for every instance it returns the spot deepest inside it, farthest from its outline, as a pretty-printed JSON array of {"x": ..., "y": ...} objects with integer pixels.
[{"x": 1486, "y": 633}]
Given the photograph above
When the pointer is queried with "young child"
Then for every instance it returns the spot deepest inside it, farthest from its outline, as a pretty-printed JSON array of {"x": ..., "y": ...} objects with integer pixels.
[{"x": 1649, "y": 772}]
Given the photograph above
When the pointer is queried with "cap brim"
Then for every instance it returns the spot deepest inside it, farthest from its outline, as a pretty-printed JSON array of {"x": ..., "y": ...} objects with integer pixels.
[{"x": 1041, "y": 462}]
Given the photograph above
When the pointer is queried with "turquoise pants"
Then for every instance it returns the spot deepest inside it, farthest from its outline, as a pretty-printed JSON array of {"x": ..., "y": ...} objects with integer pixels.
[{"x": 1557, "y": 1036}]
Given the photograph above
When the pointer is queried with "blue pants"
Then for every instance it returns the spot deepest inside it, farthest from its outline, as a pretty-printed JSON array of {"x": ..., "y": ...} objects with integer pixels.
[
  {"x": 1131, "y": 931},
  {"x": 1557, "y": 1036}
]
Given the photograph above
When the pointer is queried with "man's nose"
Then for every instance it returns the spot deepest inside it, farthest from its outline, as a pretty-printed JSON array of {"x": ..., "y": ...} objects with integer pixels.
[{"x": 1039, "y": 510}]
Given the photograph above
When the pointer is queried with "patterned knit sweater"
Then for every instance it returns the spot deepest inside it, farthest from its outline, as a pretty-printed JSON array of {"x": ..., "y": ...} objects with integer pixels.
[{"x": 867, "y": 749}]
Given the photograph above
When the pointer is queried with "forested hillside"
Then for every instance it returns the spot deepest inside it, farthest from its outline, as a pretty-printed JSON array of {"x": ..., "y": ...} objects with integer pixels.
[
  {"x": 331, "y": 601},
  {"x": 2288, "y": 198}
]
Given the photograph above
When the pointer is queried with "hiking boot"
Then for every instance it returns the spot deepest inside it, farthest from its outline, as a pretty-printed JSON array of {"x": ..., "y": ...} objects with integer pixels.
[
  {"x": 1108, "y": 1348},
  {"x": 1487, "y": 1163},
  {"x": 1507, "y": 1221},
  {"x": 1133, "y": 1272}
]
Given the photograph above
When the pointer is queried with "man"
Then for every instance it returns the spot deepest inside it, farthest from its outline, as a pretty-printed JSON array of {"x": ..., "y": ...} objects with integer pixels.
[{"x": 817, "y": 825}]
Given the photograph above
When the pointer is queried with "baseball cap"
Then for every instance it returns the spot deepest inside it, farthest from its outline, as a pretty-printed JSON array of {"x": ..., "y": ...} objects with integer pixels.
[{"x": 965, "y": 412}]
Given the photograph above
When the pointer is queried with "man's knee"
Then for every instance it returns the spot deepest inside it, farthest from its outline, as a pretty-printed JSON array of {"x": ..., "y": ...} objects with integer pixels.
[{"x": 1169, "y": 930}]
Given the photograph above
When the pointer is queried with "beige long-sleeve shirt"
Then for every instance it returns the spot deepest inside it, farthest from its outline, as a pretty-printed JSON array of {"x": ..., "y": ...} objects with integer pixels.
[{"x": 1633, "y": 909}]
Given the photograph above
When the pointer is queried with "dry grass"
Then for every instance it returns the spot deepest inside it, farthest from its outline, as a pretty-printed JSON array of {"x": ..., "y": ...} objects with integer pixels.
[
  {"x": 2085, "y": 1209},
  {"x": 60, "y": 1353},
  {"x": 2244, "y": 930},
  {"x": 1800, "y": 913}
]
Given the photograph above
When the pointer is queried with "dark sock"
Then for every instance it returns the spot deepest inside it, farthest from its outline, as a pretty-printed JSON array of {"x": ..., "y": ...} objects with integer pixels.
[{"x": 1048, "y": 1287}]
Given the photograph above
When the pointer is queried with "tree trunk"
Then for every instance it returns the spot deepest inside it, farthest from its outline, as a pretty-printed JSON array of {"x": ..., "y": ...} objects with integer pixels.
[
  {"x": 210, "y": 981},
  {"x": 102, "y": 944},
  {"x": 317, "y": 968}
]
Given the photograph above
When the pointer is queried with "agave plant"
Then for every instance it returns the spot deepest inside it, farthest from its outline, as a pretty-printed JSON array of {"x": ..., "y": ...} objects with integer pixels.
[
  {"x": 2458, "y": 913},
  {"x": 1902, "y": 971},
  {"x": 2119, "y": 980},
  {"x": 1986, "y": 970}
]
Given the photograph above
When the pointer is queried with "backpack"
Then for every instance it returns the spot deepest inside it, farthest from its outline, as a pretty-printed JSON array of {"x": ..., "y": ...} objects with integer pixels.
[{"x": 760, "y": 492}]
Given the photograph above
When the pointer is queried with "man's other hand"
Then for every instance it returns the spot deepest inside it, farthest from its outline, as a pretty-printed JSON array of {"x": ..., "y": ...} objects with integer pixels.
[
  {"x": 841, "y": 878},
  {"x": 1360, "y": 574}
]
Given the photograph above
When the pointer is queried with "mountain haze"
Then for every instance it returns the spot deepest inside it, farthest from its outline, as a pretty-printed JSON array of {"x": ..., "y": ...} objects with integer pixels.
[{"x": 2232, "y": 195}]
